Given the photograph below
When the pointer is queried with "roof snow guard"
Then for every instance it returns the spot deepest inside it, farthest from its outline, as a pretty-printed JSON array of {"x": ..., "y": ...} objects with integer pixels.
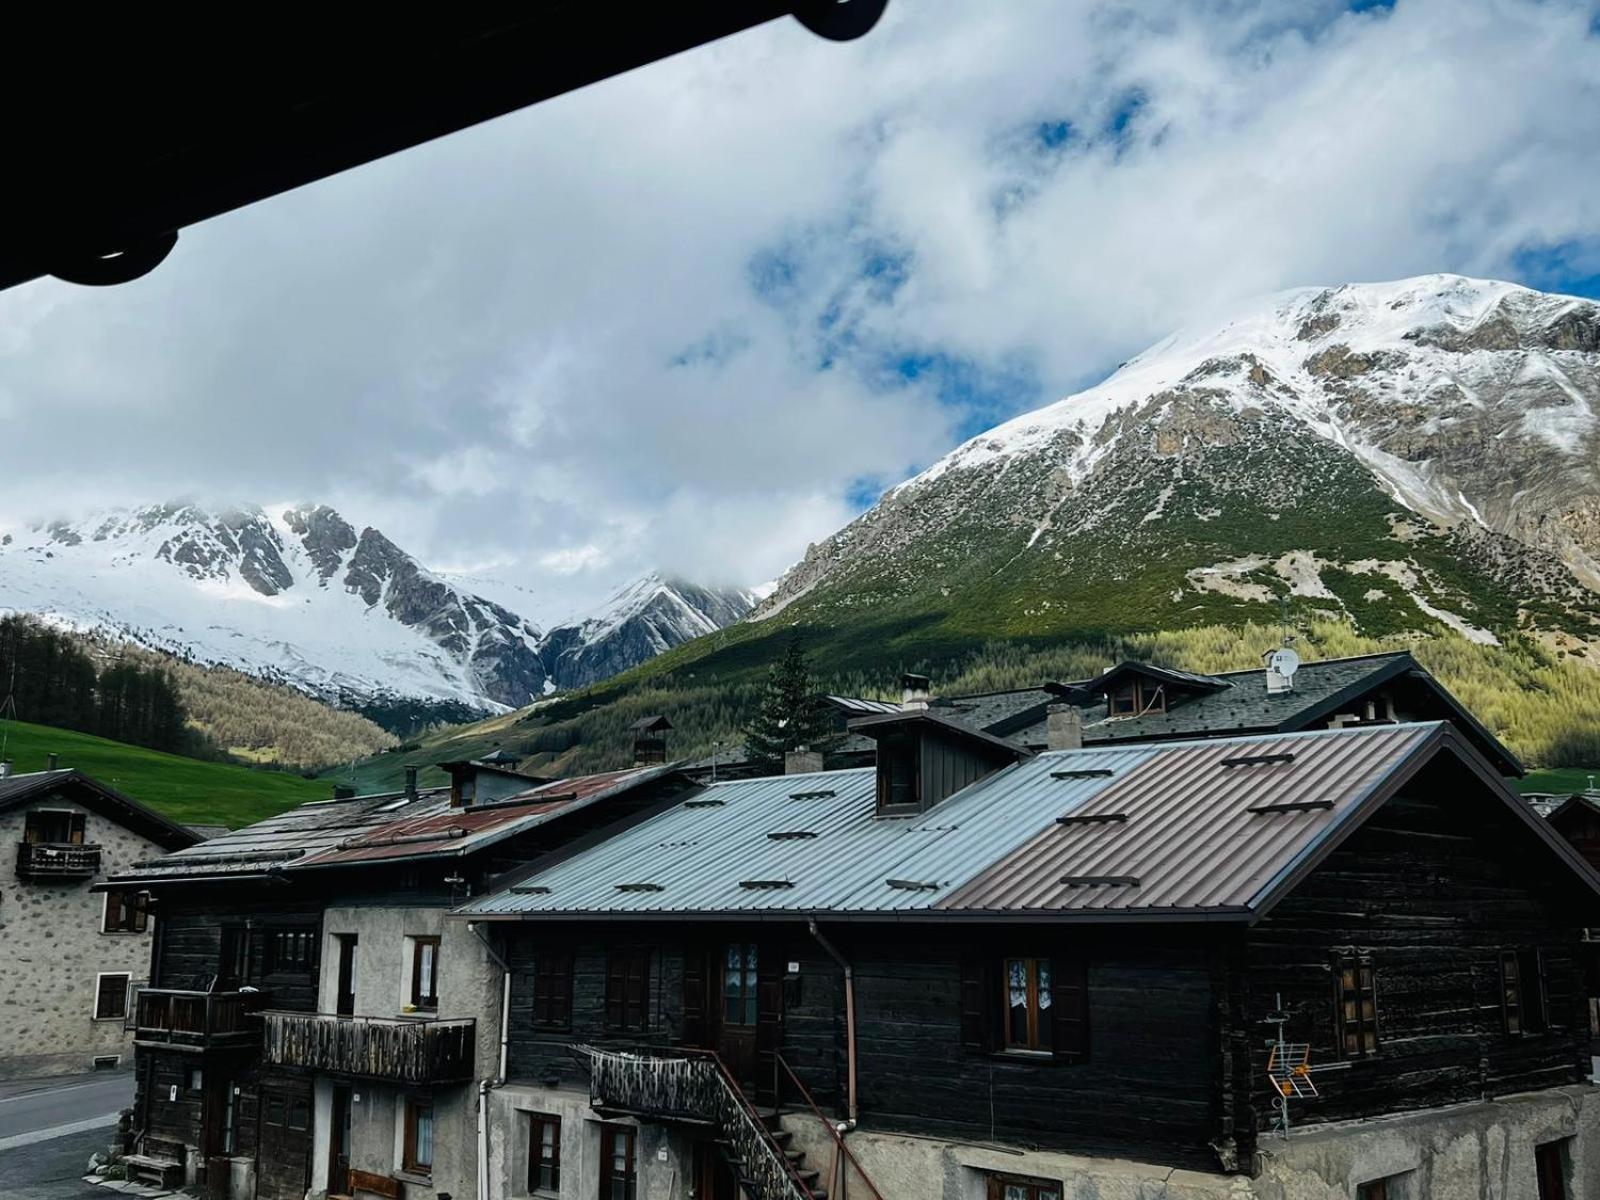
[{"x": 1170, "y": 835}]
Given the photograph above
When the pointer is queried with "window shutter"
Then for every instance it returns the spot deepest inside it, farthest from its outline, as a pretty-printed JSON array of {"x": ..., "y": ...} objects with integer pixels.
[
  {"x": 977, "y": 1004},
  {"x": 769, "y": 1011},
  {"x": 1069, "y": 1001},
  {"x": 616, "y": 988},
  {"x": 694, "y": 996}
]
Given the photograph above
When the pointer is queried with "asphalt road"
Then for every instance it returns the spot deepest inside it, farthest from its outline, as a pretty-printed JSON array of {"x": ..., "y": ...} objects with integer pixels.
[{"x": 49, "y": 1128}]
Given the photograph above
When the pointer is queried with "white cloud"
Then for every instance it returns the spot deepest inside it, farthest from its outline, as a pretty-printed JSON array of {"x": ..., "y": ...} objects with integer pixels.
[{"x": 590, "y": 338}]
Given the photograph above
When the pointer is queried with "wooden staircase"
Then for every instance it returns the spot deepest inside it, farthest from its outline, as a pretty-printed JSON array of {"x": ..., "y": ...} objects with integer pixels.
[{"x": 809, "y": 1178}]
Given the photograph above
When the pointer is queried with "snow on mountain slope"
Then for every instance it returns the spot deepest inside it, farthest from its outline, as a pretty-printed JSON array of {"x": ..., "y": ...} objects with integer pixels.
[
  {"x": 641, "y": 620},
  {"x": 296, "y": 595},
  {"x": 1469, "y": 405}
]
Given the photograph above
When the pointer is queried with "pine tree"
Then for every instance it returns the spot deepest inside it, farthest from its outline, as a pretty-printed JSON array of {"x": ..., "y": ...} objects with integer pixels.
[{"x": 790, "y": 714}]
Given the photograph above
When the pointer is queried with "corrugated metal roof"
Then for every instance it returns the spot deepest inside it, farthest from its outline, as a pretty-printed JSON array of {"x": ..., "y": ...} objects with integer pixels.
[
  {"x": 1187, "y": 835},
  {"x": 702, "y": 851},
  {"x": 1185, "y": 830}
]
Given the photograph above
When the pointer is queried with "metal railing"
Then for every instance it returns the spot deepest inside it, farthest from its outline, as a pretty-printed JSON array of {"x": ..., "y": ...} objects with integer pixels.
[
  {"x": 56, "y": 860},
  {"x": 193, "y": 1018},
  {"x": 397, "y": 1049},
  {"x": 695, "y": 1085},
  {"x": 838, "y": 1171}
]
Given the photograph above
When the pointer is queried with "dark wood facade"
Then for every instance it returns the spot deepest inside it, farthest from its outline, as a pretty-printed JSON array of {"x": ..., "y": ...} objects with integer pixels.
[{"x": 1429, "y": 893}]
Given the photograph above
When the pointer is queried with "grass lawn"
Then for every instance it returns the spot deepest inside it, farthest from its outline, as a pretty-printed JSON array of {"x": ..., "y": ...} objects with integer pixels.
[
  {"x": 1564, "y": 780},
  {"x": 183, "y": 789}
]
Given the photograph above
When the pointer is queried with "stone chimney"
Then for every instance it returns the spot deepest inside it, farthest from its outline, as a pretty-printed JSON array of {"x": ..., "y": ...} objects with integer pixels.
[
  {"x": 411, "y": 781},
  {"x": 802, "y": 761},
  {"x": 915, "y": 694},
  {"x": 52, "y": 762},
  {"x": 1063, "y": 727}
]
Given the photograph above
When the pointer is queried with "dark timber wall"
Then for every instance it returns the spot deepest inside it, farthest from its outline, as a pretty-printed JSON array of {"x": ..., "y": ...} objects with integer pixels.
[{"x": 1433, "y": 890}]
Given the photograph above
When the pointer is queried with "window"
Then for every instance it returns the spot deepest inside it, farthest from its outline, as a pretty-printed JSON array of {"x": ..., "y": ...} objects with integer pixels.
[
  {"x": 739, "y": 985},
  {"x": 1136, "y": 699},
  {"x": 419, "y": 1137},
  {"x": 53, "y": 827},
  {"x": 552, "y": 990},
  {"x": 899, "y": 785},
  {"x": 126, "y": 912},
  {"x": 289, "y": 950},
  {"x": 1012, "y": 1187},
  {"x": 425, "y": 972},
  {"x": 544, "y": 1153},
  {"x": 628, "y": 990},
  {"x": 1028, "y": 1005},
  {"x": 111, "y": 997},
  {"x": 1522, "y": 992},
  {"x": 1550, "y": 1167},
  {"x": 1125, "y": 701},
  {"x": 275, "y": 1107},
  {"x": 235, "y": 958},
  {"x": 1375, "y": 1189},
  {"x": 300, "y": 1114},
  {"x": 1357, "y": 1006},
  {"x": 197, "y": 1079},
  {"x": 618, "y": 1177}
]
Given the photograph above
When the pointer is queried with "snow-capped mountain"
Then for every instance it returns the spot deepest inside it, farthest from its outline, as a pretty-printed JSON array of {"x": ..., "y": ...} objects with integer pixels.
[
  {"x": 1418, "y": 451},
  {"x": 637, "y": 623},
  {"x": 298, "y": 595}
]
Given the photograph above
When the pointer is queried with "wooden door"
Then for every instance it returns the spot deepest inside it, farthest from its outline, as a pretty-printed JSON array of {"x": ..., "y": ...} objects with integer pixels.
[
  {"x": 283, "y": 1146},
  {"x": 739, "y": 1009},
  {"x": 339, "y": 1142},
  {"x": 345, "y": 1001}
]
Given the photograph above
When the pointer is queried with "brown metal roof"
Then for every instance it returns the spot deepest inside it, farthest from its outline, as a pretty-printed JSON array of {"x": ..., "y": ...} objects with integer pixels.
[{"x": 1183, "y": 831}]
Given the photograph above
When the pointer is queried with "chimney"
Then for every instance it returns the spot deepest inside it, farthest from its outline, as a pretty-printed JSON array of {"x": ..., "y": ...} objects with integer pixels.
[
  {"x": 914, "y": 695},
  {"x": 411, "y": 781},
  {"x": 5, "y": 767},
  {"x": 650, "y": 741},
  {"x": 52, "y": 762},
  {"x": 802, "y": 761},
  {"x": 1063, "y": 727}
]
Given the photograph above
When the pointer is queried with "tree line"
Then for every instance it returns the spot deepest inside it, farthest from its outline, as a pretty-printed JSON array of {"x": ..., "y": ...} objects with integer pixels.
[{"x": 48, "y": 679}]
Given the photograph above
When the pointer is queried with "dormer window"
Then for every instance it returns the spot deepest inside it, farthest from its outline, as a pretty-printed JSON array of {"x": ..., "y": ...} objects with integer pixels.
[
  {"x": 1136, "y": 698},
  {"x": 899, "y": 777}
]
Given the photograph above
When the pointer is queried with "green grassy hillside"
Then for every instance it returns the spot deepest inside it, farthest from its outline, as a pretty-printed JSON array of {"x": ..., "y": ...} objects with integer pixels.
[{"x": 185, "y": 789}]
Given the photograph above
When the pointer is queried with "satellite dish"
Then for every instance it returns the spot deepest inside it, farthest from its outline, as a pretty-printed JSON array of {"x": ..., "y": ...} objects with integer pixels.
[{"x": 1285, "y": 662}]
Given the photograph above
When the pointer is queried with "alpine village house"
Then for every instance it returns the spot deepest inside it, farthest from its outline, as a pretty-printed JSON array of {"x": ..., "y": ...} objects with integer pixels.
[
  {"x": 74, "y": 955},
  {"x": 1248, "y": 935}
]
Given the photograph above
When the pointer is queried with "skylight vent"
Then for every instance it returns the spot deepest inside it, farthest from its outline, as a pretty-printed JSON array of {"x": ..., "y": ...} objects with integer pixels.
[
  {"x": 531, "y": 889},
  {"x": 912, "y": 885},
  {"x": 1093, "y": 819},
  {"x": 704, "y": 803},
  {"x": 822, "y": 795},
  {"x": 394, "y": 804},
  {"x": 765, "y": 885},
  {"x": 1085, "y": 773},
  {"x": 792, "y": 835},
  {"x": 640, "y": 887},
  {"x": 1100, "y": 880},
  {"x": 1257, "y": 760},
  {"x": 1290, "y": 806}
]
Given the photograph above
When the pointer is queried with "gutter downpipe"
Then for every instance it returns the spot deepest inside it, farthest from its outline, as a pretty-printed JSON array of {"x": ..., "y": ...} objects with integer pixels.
[
  {"x": 485, "y": 1084},
  {"x": 849, "y": 1013}
]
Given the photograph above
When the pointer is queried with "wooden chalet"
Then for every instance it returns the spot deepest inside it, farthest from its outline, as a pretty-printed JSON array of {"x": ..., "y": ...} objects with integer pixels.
[
  {"x": 311, "y": 1021},
  {"x": 1020, "y": 975}
]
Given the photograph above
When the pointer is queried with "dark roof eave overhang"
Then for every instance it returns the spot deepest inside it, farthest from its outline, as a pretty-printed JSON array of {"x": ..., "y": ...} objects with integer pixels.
[{"x": 927, "y": 916}]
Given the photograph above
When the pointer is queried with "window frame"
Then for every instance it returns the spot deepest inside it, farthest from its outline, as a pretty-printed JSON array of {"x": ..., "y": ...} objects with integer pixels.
[
  {"x": 899, "y": 792},
  {"x": 537, "y": 1124},
  {"x": 77, "y": 824},
  {"x": 1554, "y": 1172},
  {"x": 99, "y": 994},
  {"x": 625, "y": 1013},
  {"x": 608, "y": 1177},
  {"x": 1366, "y": 1029},
  {"x": 288, "y": 951},
  {"x": 748, "y": 998},
  {"x": 410, "y": 1127},
  {"x": 1375, "y": 1189},
  {"x": 1524, "y": 992},
  {"x": 1034, "y": 1187},
  {"x": 552, "y": 990},
  {"x": 421, "y": 944},
  {"x": 1034, "y": 1002},
  {"x": 134, "y": 919}
]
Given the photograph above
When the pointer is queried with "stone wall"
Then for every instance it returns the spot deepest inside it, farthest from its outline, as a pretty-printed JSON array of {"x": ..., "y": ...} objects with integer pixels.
[
  {"x": 54, "y": 950},
  {"x": 1484, "y": 1150}
]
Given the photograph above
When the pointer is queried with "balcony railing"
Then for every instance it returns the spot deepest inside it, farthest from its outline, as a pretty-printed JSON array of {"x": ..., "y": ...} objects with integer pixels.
[
  {"x": 186, "y": 1018},
  {"x": 387, "y": 1048},
  {"x": 56, "y": 860}
]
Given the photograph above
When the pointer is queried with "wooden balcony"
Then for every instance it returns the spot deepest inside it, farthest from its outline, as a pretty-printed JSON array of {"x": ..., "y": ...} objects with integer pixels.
[
  {"x": 395, "y": 1049},
  {"x": 57, "y": 860},
  {"x": 201, "y": 1020}
]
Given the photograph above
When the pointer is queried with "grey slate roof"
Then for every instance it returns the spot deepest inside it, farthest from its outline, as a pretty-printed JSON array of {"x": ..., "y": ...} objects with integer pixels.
[{"x": 810, "y": 844}]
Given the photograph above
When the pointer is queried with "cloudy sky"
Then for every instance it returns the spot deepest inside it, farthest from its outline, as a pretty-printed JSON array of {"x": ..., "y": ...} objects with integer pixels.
[{"x": 700, "y": 315}]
